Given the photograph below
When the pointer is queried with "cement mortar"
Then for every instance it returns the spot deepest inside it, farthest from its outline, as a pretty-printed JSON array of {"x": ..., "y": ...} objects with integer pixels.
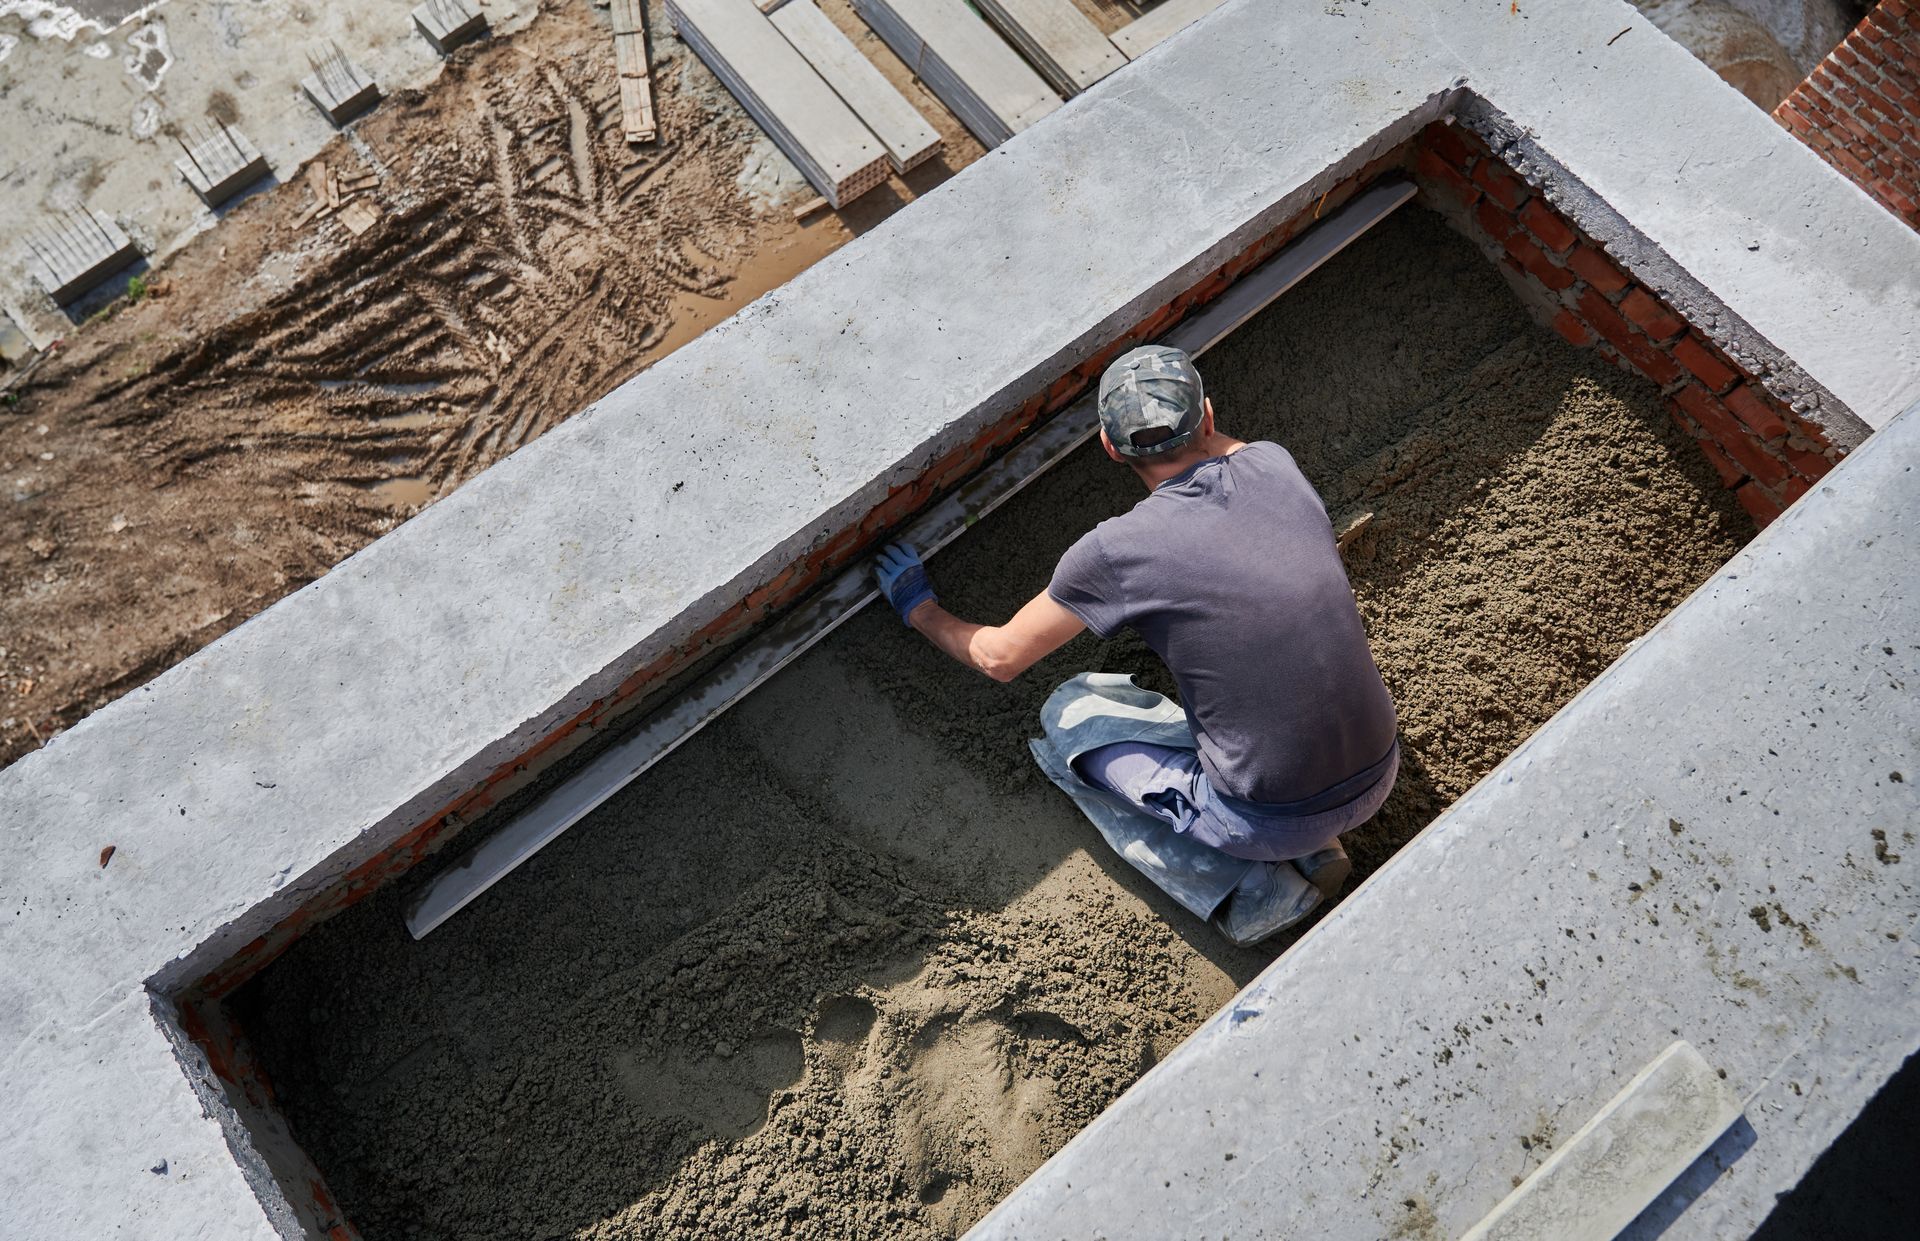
[{"x": 845, "y": 964}]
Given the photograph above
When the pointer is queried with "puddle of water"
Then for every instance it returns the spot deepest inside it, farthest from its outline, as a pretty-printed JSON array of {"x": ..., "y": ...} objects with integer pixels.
[
  {"x": 403, "y": 493},
  {"x": 786, "y": 251},
  {"x": 410, "y": 422},
  {"x": 392, "y": 388}
]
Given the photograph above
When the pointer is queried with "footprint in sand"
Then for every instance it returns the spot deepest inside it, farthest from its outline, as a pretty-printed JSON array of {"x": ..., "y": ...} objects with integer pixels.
[
  {"x": 723, "y": 1092},
  {"x": 951, "y": 1088}
]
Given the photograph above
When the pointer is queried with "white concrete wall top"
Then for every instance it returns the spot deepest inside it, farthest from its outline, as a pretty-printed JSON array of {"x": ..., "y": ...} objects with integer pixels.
[
  {"x": 1487, "y": 991},
  {"x": 244, "y": 781}
]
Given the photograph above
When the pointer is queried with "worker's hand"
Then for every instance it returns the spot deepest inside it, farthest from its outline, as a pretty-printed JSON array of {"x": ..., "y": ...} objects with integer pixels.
[{"x": 903, "y": 579}]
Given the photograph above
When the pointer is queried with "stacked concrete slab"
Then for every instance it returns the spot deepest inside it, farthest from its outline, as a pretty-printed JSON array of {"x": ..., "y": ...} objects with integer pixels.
[
  {"x": 78, "y": 251},
  {"x": 838, "y": 154},
  {"x": 1137, "y": 37},
  {"x": 291, "y": 758},
  {"x": 338, "y": 87},
  {"x": 1057, "y": 39},
  {"x": 447, "y": 24},
  {"x": 218, "y": 161},
  {"x": 964, "y": 62},
  {"x": 909, "y": 140}
]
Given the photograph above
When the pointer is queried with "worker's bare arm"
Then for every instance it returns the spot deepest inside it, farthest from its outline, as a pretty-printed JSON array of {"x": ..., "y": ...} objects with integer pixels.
[{"x": 1003, "y": 652}]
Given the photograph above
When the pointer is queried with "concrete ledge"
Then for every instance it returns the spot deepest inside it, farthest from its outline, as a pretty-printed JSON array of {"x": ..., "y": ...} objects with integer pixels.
[
  {"x": 285, "y": 761},
  {"x": 1704, "y": 844}
]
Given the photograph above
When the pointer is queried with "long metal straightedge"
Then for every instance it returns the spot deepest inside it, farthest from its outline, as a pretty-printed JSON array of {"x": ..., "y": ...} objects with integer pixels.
[{"x": 793, "y": 635}]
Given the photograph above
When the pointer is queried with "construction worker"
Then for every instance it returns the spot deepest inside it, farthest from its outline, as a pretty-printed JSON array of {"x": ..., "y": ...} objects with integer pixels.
[{"x": 1228, "y": 570}]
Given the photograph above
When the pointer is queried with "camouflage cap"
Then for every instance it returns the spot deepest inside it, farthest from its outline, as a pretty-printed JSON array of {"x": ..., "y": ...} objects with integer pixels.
[{"x": 1150, "y": 401}]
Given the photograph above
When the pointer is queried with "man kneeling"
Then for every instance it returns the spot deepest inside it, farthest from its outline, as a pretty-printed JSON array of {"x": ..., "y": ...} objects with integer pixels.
[{"x": 1228, "y": 570}]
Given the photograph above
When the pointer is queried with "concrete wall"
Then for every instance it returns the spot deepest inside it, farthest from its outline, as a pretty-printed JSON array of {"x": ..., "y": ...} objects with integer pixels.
[{"x": 317, "y": 745}]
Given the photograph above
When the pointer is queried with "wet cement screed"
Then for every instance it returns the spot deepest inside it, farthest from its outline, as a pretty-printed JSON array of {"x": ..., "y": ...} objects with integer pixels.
[{"x": 846, "y": 962}]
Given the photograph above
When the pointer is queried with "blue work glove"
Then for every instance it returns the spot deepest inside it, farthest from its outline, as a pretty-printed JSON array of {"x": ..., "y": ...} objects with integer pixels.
[{"x": 903, "y": 579}]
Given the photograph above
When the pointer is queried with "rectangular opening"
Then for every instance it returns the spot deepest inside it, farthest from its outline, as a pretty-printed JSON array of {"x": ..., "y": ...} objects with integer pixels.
[{"x": 846, "y": 963}]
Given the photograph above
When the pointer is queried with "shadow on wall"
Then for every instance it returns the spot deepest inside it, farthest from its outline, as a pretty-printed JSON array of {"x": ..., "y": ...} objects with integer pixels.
[{"x": 1863, "y": 1187}]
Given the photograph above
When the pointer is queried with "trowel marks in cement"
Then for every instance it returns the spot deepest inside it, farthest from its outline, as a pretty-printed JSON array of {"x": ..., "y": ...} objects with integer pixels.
[{"x": 845, "y": 965}]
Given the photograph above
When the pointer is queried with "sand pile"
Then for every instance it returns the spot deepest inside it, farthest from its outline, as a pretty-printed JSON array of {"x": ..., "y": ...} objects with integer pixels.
[{"x": 846, "y": 964}]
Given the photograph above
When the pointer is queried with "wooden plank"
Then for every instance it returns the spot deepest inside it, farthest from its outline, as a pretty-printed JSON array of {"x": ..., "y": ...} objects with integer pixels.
[
  {"x": 629, "y": 56},
  {"x": 635, "y": 73},
  {"x": 1141, "y": 34},
  {"x": 776, "y": 85},
  {"x": 973, "y": 71},
  {"x": 628, "y": 16},
  {"x": 909, "y": 140},
  {"x": 1057, "y": 39},
  {"x": 636, "y": 110}
]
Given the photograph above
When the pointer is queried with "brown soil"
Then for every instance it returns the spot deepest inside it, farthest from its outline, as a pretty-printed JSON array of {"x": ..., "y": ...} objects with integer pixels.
[
  {"x": 845, "y": 964},
  {"x": 294, "y": 392}
]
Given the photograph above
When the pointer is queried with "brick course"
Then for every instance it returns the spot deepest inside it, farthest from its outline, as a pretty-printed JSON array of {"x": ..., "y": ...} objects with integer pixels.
[
  {"x": 1756, "y": 444},
  {"x": 1860, "y": 110}
]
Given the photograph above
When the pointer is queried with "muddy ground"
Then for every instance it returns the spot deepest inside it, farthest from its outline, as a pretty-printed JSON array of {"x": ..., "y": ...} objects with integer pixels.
[
  {"x": 292, "y": 391},
  {"x": 845, "y": 965}
]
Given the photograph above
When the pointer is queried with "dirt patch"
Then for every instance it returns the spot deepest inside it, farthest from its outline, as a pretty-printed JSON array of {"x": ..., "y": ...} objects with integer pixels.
[
  {"x": 292, "y": 391},
  {"x": 860, "y": 861}
]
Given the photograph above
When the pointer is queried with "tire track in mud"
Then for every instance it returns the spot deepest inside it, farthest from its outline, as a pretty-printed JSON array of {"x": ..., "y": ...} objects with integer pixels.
[
  {"x": 535, "y": 270},
  {"x": 280, "y": 409}
]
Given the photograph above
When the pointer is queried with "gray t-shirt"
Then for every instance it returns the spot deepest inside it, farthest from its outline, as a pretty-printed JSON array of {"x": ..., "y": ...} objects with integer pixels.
[{"x": 1230, "y": 573}]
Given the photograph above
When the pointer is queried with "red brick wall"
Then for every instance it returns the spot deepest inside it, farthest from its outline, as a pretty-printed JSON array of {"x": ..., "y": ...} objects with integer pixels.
[
  {"x": 1860, "y": 110},
  {"x": 1762, "y": 450}
]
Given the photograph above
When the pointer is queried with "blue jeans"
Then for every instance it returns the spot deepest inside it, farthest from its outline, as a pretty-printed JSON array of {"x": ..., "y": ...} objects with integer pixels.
[
  {"x": 1170, "y": 783},
  {"x": 1127, "y": 758}
]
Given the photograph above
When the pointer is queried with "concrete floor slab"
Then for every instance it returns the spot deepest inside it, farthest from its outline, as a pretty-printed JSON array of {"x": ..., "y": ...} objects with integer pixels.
[{"x": 261, "y": 771}]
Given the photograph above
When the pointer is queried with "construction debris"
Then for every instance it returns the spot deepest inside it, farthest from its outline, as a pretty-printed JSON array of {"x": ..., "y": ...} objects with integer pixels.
[
  {"x": 359, "y": 215},
  {"x": 334, "y": 192},
  {"x": 636, "y": 74}
]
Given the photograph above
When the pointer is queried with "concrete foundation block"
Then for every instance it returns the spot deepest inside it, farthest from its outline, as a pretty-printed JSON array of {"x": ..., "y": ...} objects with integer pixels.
[
  {"x": 446, "y": 24},
  {"x": 219, "y": 162},
  {"x": 78, "y": 252},
  {"x": 340, "y": 88},
  {"x": 1622, "y": 1159}
]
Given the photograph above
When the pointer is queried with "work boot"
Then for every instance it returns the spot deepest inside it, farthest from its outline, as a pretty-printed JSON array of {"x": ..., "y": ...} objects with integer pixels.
[
  {"x": 1272, "y": 897},
  {"x": 1327, "y": 870}
]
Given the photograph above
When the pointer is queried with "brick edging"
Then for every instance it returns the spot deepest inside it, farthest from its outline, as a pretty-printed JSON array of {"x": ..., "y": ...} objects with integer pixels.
[
  {"x": 1767, "y": 454},
  {"x": 1860, "y": 109}
]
